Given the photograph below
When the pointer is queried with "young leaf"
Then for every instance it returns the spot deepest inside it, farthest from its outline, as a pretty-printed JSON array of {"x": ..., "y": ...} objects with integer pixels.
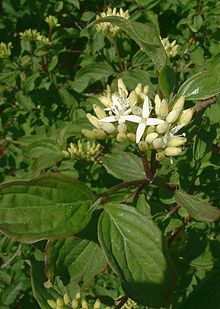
[
  {"x": 124, "y": 165},
  {"x": 74, "y": 260},
  {"x": 44, "y": 208},
  {"x": 197, "y": 208},
  {"x": 135, "y": 250},
  {"x": 145, "y": 35},
  {"x": 200, "y": 86}
]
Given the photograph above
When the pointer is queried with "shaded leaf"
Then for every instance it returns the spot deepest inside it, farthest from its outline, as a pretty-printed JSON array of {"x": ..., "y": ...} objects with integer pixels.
[
  {"x": 135, "y": 250},
  {"x": 167, "y": 80},
  {"x": 197, "y": 208},
  {"x": 47, "y": 207}
]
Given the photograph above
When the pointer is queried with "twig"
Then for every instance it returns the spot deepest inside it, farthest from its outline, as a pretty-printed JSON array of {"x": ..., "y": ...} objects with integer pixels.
[
  {"x": 147, "y": 169},
  {"x": 17, "y": 252},
  {"x": 122, "y": 302},
  {"x": 164, "y": 185},
  {"x": 203, "y": 104}
]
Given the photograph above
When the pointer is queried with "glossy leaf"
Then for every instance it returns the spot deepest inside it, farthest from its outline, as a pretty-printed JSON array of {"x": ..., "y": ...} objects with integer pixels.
[
  {"x": 145, "y": 35},
  {"x": 74, "y": 260},
  {"x": 200, "y": 86},
  {"x": 167, "y": 80},
  {"x": 124, "y": 165},
  {"x": 135, "y": 250},
  {"x": 197, "y": 208},
  {"x": 45, "y": 208}
]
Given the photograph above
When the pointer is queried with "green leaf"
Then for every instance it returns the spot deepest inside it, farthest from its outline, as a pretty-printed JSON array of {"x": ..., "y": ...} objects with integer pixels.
[
  {"x": 74, "y": 260},
  {"x": 200, "y": 86},
  {"x": 47, "y": 207},
  {"x": 67, "y": 98},
  {"x": 132, "y": 77},
  {"x": 145, "y": 35},
  {"x": 124, "y": 165},
  {"x": 29, "y": 83},
  {"x": 206, "y": 295},
  {"x": 197, "y": 208},
  {"x": 167, "y": 80},
  {"x": 135, "y": 250},
  {"x": 143, "y": 206},
  {"x": 42, "y": 146}
]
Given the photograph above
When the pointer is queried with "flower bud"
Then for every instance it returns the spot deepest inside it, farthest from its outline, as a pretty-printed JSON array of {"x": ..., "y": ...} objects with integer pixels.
[
  {"x": 108, "y": 127},
  {"x": 88, "y": 134},
  {"x": 162, "y": 127},
  {"x": 100, "y": 113},
  {"x": 160, "y": 156},
  {"x": 173, "y": 115},
  {"x": 52, "y": 303},
  {"x": 99, "y": 134},
  {"x": 143, "y": 146},
  {"x": 121, "y": 137},
  {"x": 66, "y": 299},
  {"x": 78, "y": 296},
  {"x": 131, "y": 137},
  {"x": 138, "y": 89},
  {"x": 172, "y": 151},
  {"x": 93, "y": 120},
  {"x": 133, "y": 98},
  {"x": 176, "y": 141},
  {"x": 136, "y": 110},
  {"x": 60, "y": 302},
  {"x": 150, "y": 137},
  {"x": 122, "y": 90},
  {"x": 158, "y": 143},
  {"x": 105, "y": 101},
  {"x": 157, "y": 102},
  {"x": 97, "y": 304},
  {"x": 146, "y": 89},
  {"x": 186, "y": 116},
  {"x": 163, "y": 110},
  {"x": 122, "y": 128},
  {"x": 84, "y": 304},
  {"x": 74, "y": 303},
  {"x": 179, "y": 103}
]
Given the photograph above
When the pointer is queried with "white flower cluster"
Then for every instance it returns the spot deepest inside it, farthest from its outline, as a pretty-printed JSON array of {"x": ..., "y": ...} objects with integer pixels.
[
  {"x": 33, "y": 35},
  {"x": 127, "y": 116},
  {"x": 90, "y": 151},
  {"x": 170, "y": 48},
  {"x": 5, "y": 50},
  {"x": 108, "y": 27}
]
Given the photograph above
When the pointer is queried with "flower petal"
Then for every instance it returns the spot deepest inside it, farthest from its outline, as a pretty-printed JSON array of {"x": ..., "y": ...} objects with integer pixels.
[
  {"x": 146, "y": 108},
  {"x": 109, "y": 119},
  {"x": 117, "y": 102},
  {"x": 153, "y": 121},
  {"x": 140, "y": 131},
  {"x": 133, "y": 118}
]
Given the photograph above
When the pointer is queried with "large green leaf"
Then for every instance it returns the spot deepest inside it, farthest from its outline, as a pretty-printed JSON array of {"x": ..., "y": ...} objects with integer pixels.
[
  {"x": 74, "y": 260},
  {"x": 200, "y": 86},
  {"x": 145, "y": 35},
  {"x": 135, "y": 250},
  {"x": 124, "y": 165},
  {"x": 167, "y": 80},
  {"x": 197, "y": 208},
  {"x": 48, "y": 207}
]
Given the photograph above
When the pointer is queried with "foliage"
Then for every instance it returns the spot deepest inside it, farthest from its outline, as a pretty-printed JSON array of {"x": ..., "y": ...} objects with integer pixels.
[{"x": 109, "y": 152}]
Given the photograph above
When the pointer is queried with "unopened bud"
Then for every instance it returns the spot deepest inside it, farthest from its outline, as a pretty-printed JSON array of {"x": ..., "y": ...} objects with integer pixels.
[
  {"x": 74, "y": 303},
  {"x": 60, "y": 302},
  {"x": 122, "y": 128},
  {"x": 97, "y": 304},
  {"x": 179, "y": 103},
  {"x": 133, "y": 98},
  {"x": 150, "y": 137},
  {"x": 122, "y": 88},
  {"x": 146, "y": 89},
  {"x": 186, "y": 116},
  {"x": 108, "y": 127},
  {"x": 84, "y": 304},
  {"x": 160, "y": 156},
  {"x": 105, "y": 101},
  {"x": 157, "y": 102},
  {"x": 131, "y": 137},
  {"x": 163, "y": 110},
  {"x": 151, "y": 129},
  {"x": 99, "y": 134},
  {"x": 176, "y": 141},
  {"x": 93, "y": 120},
  {"x": 172, "y": 151},
  {"x": 66, "y": 299},
  {"x": 173, "y": 115},
  {"x": 88, "y": 134},
  {"x": 121, "y": 137},
  {"x": 158, "y": 143},
  {"x": 143, "y": 146},
  {"x": 52, "y": 303},
  {"x": 100, "y": 113},
  {"x": 138, "y": 89},
  {"x": 162, "y": 127},
  {"x": 136, "y": 110}
]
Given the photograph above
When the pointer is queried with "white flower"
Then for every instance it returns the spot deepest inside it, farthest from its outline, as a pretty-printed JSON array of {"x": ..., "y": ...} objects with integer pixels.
[
  {"x": 119, "y": 111},
  {"x": 145, "y": 121},
  {"x": 171, "y": 133}
]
